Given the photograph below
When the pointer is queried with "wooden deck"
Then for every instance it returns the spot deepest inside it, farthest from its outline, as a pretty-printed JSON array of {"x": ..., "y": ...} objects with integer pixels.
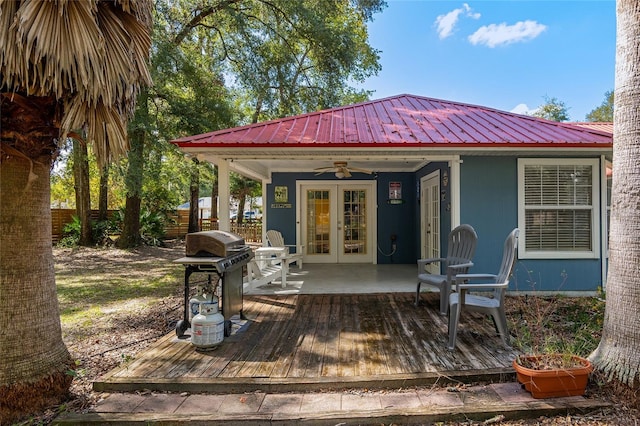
[{"x": 311, "y": 342}]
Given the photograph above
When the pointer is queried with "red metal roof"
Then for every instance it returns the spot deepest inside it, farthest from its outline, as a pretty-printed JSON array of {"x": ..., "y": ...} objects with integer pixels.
[
  {"x": 596, "y": 125},
  {"x": 404, "y": 121}
]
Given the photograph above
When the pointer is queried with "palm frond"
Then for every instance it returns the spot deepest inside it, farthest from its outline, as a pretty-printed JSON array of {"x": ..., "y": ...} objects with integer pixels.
[
  {"x": 92, "y": 54},
  {"x": 102, "y": 124}
]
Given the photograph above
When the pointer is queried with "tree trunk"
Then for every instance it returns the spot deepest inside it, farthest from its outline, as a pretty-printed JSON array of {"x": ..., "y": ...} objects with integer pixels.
[
  {"x": 618, "y": 354},
  {"x": 103, "y": 197},
  {"x": 242, "y": 199},
  {"x": 130, "y": 235},
  {"x": 83, "y": 195},
  {"x": 34, "y": 357},
  {"x": 194, "y": 199}
]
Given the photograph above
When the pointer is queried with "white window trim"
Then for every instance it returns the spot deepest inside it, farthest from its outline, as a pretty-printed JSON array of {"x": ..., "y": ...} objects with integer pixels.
[{"x": 595, "y": 210}]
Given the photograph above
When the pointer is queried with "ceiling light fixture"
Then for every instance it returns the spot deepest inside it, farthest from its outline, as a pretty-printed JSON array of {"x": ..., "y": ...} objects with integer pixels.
[{"x": 339, "y": 174}]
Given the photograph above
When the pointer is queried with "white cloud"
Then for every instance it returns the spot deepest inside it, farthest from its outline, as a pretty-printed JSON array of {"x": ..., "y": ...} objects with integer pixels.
[
  {"x": 447, "y": 22},
  {"x": 522, "y": 109},
  {"x": 500, "y": 34}
]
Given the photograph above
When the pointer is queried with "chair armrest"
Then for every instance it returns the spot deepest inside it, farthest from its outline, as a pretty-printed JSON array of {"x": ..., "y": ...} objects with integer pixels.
[
  {"x": 462, "y": 282},
  {"x": 297, "y": 247},
  {"x": 423, "y": 262},
  {"x": 467, "y": 277},
  {"x": 267, "y": 252},
  {"x": 459, "y": 266},
  {"x": 452, "y": 270}
]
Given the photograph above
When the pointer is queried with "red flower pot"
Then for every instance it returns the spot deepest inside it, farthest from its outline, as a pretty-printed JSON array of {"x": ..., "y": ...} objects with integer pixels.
[{"x": 547, "y": 382}]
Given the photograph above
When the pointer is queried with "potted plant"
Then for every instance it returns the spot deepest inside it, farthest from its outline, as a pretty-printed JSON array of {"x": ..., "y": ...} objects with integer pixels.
[
  {"x": 552, "y": 341},
  {"x": 552, "y": 375}
]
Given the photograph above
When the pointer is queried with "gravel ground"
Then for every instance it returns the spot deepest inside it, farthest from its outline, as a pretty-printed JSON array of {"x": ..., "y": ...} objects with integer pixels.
[{"x": 98, "y": 353}]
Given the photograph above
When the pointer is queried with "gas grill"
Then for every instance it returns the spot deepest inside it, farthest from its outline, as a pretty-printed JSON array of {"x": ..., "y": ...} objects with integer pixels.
[{"x": 221, "y": 253}]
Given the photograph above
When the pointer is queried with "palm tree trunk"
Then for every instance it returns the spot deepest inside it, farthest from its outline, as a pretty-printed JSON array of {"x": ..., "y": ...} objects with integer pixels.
[
  {"x": 29, "y": 314},
  {"x": 618, "y": 354}
]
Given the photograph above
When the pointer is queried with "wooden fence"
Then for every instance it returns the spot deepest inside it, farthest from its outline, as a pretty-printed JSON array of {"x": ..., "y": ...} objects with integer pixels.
[{"x": 176, "y": 228}]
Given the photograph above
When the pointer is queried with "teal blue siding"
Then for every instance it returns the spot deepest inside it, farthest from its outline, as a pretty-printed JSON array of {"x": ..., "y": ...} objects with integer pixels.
[
  {"x": 397, "y": 219},
  {"x": 489, "y": 202},
  {"x": 282, "y": 219}
]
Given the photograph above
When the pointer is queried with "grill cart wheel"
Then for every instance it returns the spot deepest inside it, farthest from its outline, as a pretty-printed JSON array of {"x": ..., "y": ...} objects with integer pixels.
[{"x": 181, "y": 327}]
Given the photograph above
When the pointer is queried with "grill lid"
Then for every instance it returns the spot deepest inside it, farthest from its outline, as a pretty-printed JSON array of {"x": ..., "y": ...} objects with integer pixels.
[{"x": 213, "y": 243}]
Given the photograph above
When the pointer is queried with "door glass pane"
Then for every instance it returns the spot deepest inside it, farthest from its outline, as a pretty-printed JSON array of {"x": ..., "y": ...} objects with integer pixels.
[
  {"x": 318, "y": 235},
  {"x": 355, "y": 221}
]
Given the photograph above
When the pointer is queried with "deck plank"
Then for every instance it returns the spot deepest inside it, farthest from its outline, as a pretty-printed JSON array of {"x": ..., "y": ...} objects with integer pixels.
[
  {"x": 292, "y": 338},
  {"x": 303, "y": 354},
  {"x": 332, "y": 348},
  {"x": 255, "y": 310},
  {"x": 347, "y": 346},
  {"x": 319, "y": 342},
  {"x": 257, "y": 360}
]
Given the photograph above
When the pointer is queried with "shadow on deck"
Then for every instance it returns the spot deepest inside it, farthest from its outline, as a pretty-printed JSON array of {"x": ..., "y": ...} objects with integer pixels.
[{"x": 306, "y": 342}]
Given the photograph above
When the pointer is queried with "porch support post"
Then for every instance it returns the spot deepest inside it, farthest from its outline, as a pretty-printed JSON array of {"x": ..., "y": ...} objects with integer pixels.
[
  {"x": 264, "y": 212},
  {"x": 224, "y": 195},
  {"x": 455, "y": 191}
]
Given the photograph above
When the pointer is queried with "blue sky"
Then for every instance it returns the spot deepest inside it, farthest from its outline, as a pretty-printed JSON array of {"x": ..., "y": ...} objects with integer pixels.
[{"x": 507, "y": 55}]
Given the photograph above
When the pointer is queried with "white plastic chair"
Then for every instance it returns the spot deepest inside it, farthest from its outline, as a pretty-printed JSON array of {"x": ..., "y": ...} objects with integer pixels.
[
  {"x": 461, "y": 248},
  {"x": 275, "y": 240},
  {"x": 493, "y": 304}
]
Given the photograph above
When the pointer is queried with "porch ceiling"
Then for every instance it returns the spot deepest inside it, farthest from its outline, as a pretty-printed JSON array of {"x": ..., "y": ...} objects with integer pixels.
[{"x": 262, "y": 166}]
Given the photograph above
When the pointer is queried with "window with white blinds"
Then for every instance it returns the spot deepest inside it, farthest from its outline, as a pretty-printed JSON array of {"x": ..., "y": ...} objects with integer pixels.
[{"x": 558, "y": 207}]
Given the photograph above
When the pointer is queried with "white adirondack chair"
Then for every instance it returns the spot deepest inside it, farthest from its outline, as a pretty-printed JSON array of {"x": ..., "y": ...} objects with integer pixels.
[{"x": 275, "y": 240}]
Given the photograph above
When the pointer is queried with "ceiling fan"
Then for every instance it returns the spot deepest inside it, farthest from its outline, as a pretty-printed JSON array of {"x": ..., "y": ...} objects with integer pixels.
[{"x": 341, "y": 170}]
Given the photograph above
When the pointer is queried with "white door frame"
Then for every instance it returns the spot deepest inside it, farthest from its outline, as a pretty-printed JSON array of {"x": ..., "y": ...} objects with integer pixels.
[
  {"x": 372, "y": 218},
  {"x": 430, "y": 195}
]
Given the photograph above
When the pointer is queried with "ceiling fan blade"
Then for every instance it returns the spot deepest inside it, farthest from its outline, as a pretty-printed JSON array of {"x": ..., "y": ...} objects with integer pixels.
[
  {"x": 359, "y": 170},
  {"x": 323, "y": 169},
  {"x": 346, "y": 172}
]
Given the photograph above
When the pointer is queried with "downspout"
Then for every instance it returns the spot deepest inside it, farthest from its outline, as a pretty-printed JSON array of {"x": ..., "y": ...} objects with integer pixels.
[{"x": 604, "y": 238}]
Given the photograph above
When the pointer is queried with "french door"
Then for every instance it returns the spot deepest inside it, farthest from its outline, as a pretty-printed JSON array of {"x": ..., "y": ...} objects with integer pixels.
[
  {"x": 430, "y": 219},
  {"x": 338, "y": 221}
]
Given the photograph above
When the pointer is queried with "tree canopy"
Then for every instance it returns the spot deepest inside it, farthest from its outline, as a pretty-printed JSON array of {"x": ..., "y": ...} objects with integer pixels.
[
  {"x": 219, "y": 64},
  {"x": 603, "y": 113},
  {"x": 552, "y": 109}
]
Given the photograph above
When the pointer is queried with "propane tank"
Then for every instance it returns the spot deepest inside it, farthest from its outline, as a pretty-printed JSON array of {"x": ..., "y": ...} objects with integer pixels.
[
  {"x": 207, "y": 328},
  {"x": 195, "y": 301}
]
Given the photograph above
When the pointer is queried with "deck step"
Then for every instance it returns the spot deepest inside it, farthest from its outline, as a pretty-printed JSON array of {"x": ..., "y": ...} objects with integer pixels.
[{"x": 491, "y": 402}]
